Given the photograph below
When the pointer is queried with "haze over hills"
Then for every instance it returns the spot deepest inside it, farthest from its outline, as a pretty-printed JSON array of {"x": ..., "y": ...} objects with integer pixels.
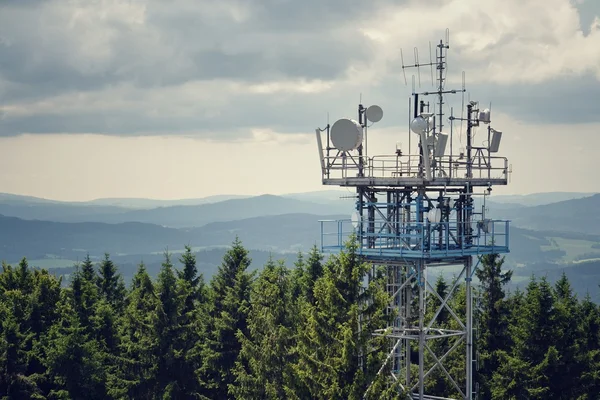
[
  {"x": 579, "y": 215},
  {"x": 546, "y": 237},
  {"x": 537, "y": 199},
  {"x": 199, "y": 212},
  {"x": 141, "y": 203},
  {"x": 46, "y": 239}
]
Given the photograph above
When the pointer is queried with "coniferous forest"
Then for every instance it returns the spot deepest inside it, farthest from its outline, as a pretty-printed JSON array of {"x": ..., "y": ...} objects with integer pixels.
[{"x": 280, "y": 332}]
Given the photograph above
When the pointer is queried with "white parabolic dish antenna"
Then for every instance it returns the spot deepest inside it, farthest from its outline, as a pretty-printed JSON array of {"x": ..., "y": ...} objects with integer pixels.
[
  {"x": 434, "y": 215},
  {"x": 374, "y": 113},
  {"x": 346, "y": 134},
  {"x": 418, "y": 125}
]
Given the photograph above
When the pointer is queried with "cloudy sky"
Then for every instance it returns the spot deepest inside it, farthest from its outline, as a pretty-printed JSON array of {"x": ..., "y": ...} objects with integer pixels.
[{"x": 189, "y": 98}]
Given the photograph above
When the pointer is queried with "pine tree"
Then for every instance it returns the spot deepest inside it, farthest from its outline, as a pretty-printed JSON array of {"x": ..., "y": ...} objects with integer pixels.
[
  {"x": 313, "y": 270},
  {"x": 564, "y": 381},
  {"x": 336, "y": 359},
  {"x": 492, "y": 316},
  {"x": 229, "y": 306},
  {"x": 74, "y": 361},
  {"x": 88, "y": 273},
  {"x": 14, "y": 382},
  {"x": 525, "y": 370},
  {"x": 192, "y": 285},
  {"x": 110, "y": 283},
  {"x": 138, "y": 341},
  {"x": 192, "y": 322},
  {"x": 85, "y": 296},
  {"x": 589, "y": 349},
  {"x": 169, "y": 352},
  {"x": 263, "y": 368}
]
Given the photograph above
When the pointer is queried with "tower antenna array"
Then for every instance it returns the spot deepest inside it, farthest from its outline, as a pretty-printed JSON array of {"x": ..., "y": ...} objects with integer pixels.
[{"x": 415, "y": 212}]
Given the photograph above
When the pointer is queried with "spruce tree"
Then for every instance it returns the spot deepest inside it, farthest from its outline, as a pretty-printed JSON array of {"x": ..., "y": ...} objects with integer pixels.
[
  {"x": 492, "y": 317},
  {"x": 228, "y": 312},
  {"x": 313, "y": 270},
  {"x": 263, "y": 368},
  {"x": 73, "y": 360},
  {"x": 138, "y": 341},
  {"x": 110, "y": 283},
  {"x": 192, "y": 322},
  {"x": 336, "y": 357}
]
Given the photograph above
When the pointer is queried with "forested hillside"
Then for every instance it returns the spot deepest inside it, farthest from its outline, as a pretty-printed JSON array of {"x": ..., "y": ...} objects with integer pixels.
[{"x": 280, "y": 332}]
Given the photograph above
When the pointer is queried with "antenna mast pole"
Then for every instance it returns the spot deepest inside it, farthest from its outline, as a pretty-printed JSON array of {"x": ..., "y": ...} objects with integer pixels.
[{"x": 441, "y": 66}]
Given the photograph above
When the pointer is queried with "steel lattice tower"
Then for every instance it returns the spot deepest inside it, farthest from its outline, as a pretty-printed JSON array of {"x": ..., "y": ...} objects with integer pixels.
[{"x": 415, "y": 212}]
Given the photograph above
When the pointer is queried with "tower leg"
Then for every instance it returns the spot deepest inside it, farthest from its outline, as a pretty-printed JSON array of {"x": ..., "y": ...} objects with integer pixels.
[
  {"x": 407, "y": 322},
  {"x": 469, "y": 326},
  {"x": 421, "y": 330}
]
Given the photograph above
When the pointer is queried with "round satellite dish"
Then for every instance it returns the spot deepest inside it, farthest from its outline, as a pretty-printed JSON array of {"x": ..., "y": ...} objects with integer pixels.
[
  {"x": 374, "y": 113},
  {"x": 435, "y": 215},
  {"x": 484, "y": 116},
  {"x": 355, "y": 219},
  {"x": 485, "y": 225},
  {"x": 418, "y": 125},
  {"x": 346, "y": 134}
]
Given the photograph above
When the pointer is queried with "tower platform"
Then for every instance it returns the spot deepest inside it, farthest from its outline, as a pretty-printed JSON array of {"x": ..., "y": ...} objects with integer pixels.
[{"x": 426, "y": 241}]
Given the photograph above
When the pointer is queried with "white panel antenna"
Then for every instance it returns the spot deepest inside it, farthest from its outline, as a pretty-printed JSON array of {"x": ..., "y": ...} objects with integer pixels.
[
  {"x": 320, "y": 146},
  {"x": 495, "y": 142},
  {"x": 356, "y": 219},
  {"x": 440, "y": 145},
  {"x": 346, "y": 134}
]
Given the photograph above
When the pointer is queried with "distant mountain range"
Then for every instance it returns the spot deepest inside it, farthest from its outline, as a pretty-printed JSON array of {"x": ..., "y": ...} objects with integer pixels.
[
  {"x": 201, "y": 212},
  {"x": 538, "y": 199},
  {"x": 550, "y": 232},
  {"x": 546, "y": 227},
  {"x": 45, "y": 239},
  {"x": 579, "y": 215}
]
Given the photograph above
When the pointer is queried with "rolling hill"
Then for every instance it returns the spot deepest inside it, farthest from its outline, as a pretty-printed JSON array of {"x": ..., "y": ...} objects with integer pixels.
[
  {"x": 576, "y": 215},
  {"x": 39, "y": 239},
  {"x": 538, "y": 199},
  {"x": 173, "y": 216},
  {"x": 44, "y": 239}
]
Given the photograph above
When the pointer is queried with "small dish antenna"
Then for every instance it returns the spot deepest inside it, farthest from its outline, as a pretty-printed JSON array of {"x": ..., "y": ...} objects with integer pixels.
[
  {"x": 346, "y": 134},
  {"x": 484, "y": 116},
  {"x": 374, "y": 113},
  {"x": 485, "y": 225},
  {"x": 435, "y": 215},
  {"x": 418, "y": 125},
  {"x": 356, "y": 219}
]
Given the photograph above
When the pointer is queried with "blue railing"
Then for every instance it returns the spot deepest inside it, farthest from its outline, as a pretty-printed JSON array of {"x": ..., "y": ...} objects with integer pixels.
[{"x": 418, "y": 239}]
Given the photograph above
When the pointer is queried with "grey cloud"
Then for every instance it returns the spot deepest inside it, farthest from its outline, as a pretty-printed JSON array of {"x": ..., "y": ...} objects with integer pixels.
[
  {"x": 563, "y": 101},
  {"x": 294, "y": 113},
  {"x": 588, "y": 10},
  {"x": 314, "y": 14},
  {"x": 567, "y": 100},
  {"x": 183, "y": 42},
  {"x": 180, "y": 42}
]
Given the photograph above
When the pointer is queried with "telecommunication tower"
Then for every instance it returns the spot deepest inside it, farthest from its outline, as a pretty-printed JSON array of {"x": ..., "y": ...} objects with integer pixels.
[{"x": 415, "y": 212}]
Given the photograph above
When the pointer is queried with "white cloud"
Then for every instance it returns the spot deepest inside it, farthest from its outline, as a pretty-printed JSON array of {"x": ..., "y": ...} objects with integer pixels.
[{"x": 501, "y": 41}]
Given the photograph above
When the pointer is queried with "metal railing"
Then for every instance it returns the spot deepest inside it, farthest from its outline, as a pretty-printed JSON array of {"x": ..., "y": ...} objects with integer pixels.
[
  {"x": 419, "y": 239},
  {"x": 407, "y": 166}
]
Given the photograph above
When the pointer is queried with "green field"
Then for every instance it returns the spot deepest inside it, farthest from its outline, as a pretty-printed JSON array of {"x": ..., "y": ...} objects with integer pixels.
[{"x": 575, "y": 249}]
